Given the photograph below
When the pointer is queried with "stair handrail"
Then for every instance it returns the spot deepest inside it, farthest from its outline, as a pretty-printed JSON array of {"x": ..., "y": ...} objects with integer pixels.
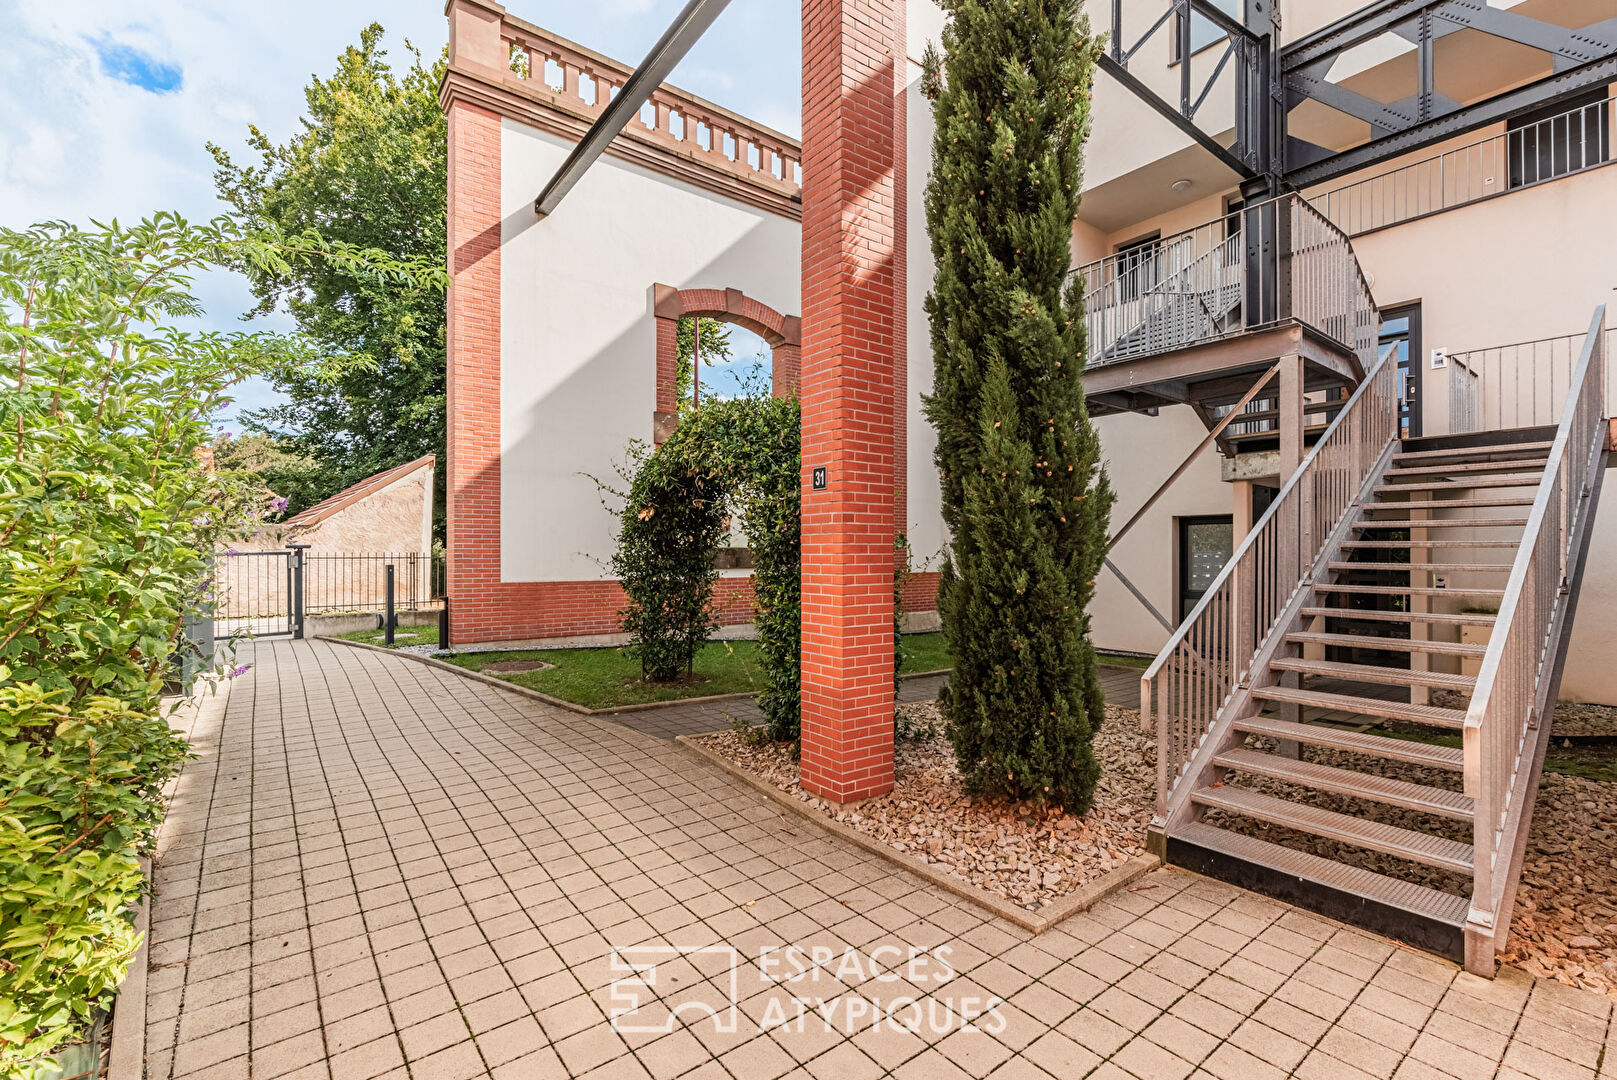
[
  {"x": 1209, "y": 655},
  {"x": 1510, "y": 699}
]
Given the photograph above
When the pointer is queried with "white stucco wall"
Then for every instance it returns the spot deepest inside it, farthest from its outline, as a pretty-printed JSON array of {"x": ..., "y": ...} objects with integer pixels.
[
  {"x": 924, "y": 518},
  {"x": 578, "y": 338},
  {"x": 1140, "y": 453}
]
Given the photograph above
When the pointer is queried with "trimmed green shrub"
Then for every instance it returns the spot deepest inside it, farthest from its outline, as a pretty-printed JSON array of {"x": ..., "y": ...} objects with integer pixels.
[
  {"x": 738, "y": 456},
  {"x": 1024, "y": 494}
]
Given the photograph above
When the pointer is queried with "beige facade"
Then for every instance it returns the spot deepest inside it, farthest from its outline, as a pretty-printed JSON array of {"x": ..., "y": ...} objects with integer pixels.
[
  {"x": 387, "y": 514},
  {"x": 1488, "y": 260}
]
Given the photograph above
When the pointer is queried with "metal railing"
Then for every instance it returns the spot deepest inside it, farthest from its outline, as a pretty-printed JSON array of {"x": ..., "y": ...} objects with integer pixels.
[
  {"x": 1514, "y": 386},
  {"x": 1210, "y": 654},
  {"x": 337, "y": 582},
  {"x": 1569, "y": 142},
  {"x": 1276, "y": 261},
  {"x": 1509, "y": 702}
]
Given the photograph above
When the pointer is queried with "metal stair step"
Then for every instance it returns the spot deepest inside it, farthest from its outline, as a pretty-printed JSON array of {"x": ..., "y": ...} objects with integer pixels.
[
  {"x": 1364, "y": 706},
  {"x": 1406, "y": 590},
  {"x": 1440, "y": 523},
  {"x": 1360, "y": 641},
  {"x": 1453, "y": 504},
  {"x": 1517, "y": 465},
  {"x": 1503, "y": 449},
  {"x": 1418, "y": 900},
  {"x": 1405, "y": 545},
  {"x": 1359, "y": 785},
  {"x": 1372, "y": 673},
  {"x": 1356, "y": 742},
  {"x": 1419, "y": 847},
  {"x": 1528, "y": 480},
  {"x": 1425, "y": 567},
  {"x": 1442, "y": 618}
]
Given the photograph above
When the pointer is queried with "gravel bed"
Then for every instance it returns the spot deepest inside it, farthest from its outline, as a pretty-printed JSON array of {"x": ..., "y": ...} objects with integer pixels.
[
  {"x": 1573, "y": 720},
  {"x": 1027, "y": 858},
  {"x": 1585, "y": 721}
]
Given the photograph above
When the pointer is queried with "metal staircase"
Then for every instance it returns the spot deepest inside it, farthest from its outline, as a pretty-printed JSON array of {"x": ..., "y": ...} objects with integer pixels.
[{"x": 1332, "y": 728}]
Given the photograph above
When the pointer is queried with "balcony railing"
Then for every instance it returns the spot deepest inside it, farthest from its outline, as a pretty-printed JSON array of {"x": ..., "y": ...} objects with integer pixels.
[
  {"x": 1514, "y": 386},
  {"x": 1569, "y": 142},
  {"x": 1274, "y": 262}
]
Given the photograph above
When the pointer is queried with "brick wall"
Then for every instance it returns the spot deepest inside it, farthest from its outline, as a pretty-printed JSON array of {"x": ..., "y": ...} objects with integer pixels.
[
  {"x": 851, "y": 311},
  {"x": 473, "y": 477}
]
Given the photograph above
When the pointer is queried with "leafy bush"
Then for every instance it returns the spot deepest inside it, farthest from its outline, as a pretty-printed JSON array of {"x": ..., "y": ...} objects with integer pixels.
[
  {"x": 738, "y": 456},
  {"x": 107, "y": 523}
]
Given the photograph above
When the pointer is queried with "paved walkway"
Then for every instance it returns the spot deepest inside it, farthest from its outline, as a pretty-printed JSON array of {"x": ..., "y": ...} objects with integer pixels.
[
  {"x": 375, "y": 868},
  {"x": 1120, "y": 684}
]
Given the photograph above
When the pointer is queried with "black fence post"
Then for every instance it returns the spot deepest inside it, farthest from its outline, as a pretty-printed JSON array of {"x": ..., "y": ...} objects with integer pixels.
[
  {"x": 390, "y": 618},
  {"x": 443, "y": 625},
  {"x": 295, "y": 561}
]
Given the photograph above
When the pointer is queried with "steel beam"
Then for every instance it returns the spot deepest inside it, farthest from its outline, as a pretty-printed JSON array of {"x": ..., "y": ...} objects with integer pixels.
[
  {"x": 686, "y": 29},
  {"x": 1490, "y": 111},
  {"x": 1581, "y": 57},
  {"x": 1173, "y": 116}
]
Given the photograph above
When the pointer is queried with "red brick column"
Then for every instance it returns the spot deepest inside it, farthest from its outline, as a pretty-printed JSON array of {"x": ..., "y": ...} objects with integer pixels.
[
  {"x": 473, "y": 476},
  {"x": 850, "y": 311},
  {"x": 786, "y": 369}
]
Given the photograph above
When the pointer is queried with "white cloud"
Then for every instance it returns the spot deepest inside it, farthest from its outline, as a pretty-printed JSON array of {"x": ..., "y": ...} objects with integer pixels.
[{"x": 79, "y": 143}]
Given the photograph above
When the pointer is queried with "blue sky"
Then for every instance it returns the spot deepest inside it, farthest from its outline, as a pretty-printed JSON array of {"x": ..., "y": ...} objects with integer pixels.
[{"x": 105, "y": 105}]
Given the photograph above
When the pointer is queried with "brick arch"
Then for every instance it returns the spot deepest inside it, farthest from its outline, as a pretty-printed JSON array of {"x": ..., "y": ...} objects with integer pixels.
[{"x": 783, "y": 333}]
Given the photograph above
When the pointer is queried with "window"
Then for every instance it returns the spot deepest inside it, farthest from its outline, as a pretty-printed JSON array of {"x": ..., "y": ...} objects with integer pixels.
[
  {"x": 1560, "y": 139},
  {"x": 1204, "y": 32},
  {"x": 1205, "y": 545},
  {"x": 1139, "y": 266}
]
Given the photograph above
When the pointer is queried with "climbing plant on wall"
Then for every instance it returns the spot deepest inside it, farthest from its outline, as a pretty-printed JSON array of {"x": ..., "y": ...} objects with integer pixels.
[
  {"x": 1024, "y": 494},
  {"x": 739, "y": 457}
]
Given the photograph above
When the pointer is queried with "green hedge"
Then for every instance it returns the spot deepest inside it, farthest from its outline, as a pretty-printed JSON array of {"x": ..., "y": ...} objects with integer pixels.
[{"x": 108, "y": 521}]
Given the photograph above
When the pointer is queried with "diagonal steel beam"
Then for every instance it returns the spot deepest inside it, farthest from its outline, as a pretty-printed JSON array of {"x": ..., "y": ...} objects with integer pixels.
[
  {"x": 686, "y": 29},
  {"x": 1212, "y": 437},
  {"x": 1201, "y": 138}
]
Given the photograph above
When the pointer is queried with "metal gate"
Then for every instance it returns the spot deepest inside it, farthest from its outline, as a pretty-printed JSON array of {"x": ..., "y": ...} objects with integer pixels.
[{"x": 256, "y": 592}]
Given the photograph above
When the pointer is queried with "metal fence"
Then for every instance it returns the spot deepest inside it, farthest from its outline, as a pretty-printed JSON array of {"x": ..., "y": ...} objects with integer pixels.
[
  {"x": 336, "y": 583},
  {"x": 269, "y": 592},
  {"x": 252, "y": 592},
  {"x": 1569, "y": 142},
  {"x": 1520, "y": 385},
  {"x": 1259, "y": 266}
]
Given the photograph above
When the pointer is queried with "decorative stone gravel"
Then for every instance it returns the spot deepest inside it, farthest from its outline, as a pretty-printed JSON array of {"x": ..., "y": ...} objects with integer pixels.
[{"x": 1027, "y": 858}]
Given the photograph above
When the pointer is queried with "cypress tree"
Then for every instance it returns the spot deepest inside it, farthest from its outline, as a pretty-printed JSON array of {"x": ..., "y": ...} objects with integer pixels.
[{"x": 1025, "y": 495}]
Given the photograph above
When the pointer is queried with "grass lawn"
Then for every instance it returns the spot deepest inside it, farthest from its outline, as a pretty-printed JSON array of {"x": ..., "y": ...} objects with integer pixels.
[
  {"x": 603, "y": 678},
  {"x": 1592, "y": 761},
  {"x": 404, "y": 635},
  {"x": 1124, "y": 660}
]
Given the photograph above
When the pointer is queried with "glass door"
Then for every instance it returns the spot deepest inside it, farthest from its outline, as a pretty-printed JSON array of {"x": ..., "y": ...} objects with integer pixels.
[{"x": 1400, "y": 335}]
